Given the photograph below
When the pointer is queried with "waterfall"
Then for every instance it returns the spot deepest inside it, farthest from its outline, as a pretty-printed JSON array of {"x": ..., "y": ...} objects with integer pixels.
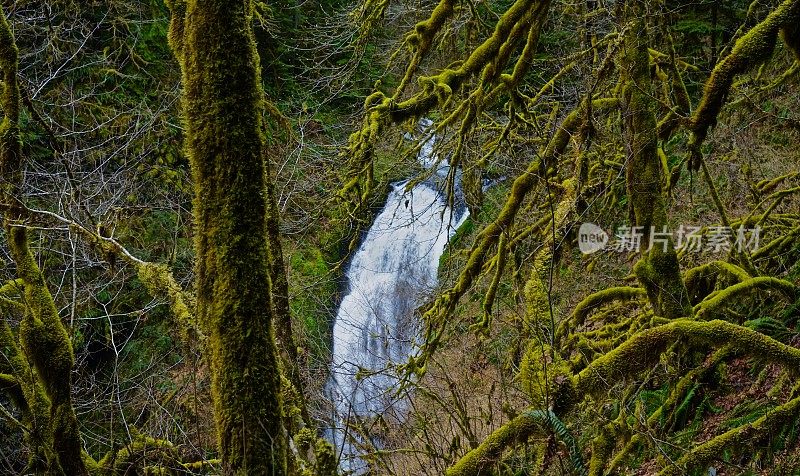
[{"x": 391, "y": 274}]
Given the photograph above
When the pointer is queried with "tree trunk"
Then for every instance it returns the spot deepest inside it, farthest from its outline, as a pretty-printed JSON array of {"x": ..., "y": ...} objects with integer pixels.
[
  {"x": 658, "y": 269},
  {"x": 223, "y": 102}
]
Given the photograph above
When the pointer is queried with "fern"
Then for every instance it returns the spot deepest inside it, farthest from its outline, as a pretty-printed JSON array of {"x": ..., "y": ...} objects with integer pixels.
[
  {"x": 565, "y": 436},
  {"x": 679, "y": 415},
  {"x": 771, "y": 327}
]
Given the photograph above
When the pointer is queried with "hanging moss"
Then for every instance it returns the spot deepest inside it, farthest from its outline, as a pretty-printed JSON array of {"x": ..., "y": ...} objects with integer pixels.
[
  {"x": 444, "y": 305},
  {"x": 491, "y": 293}
]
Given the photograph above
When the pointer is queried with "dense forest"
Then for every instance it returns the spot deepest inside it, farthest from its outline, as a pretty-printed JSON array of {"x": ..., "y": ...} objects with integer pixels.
[{"x": 573, "y": 227}]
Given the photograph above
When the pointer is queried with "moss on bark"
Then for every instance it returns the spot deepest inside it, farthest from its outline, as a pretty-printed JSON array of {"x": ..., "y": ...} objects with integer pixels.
[
  {"x": 44, "y": 340},
  {"x": 713, "y": 449},
  {"x": 223, "y": 103},
  {"x": 658, "y": 269},
  {"x": 751, "y": 50},
  {"x": 645, "y": 348},
  {"x": 47, "y": 345}
]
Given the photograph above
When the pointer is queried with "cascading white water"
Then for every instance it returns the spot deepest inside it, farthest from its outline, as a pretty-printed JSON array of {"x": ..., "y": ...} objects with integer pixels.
[{"x": 390, "y": 275}]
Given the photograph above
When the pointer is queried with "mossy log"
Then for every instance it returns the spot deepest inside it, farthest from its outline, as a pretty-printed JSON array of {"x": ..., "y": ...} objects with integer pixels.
[{"x": 143, "y": 455}]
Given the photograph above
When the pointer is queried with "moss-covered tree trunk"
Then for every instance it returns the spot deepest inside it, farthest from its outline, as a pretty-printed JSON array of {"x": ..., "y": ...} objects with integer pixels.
[
  {"x": 658, "y": 269},
  {"x": 223, "y": 102},
  {"x": 44, "y": 339}
]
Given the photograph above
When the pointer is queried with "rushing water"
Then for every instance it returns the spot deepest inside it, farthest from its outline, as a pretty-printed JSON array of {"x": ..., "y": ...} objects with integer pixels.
[{"x": 390, "y": 275}]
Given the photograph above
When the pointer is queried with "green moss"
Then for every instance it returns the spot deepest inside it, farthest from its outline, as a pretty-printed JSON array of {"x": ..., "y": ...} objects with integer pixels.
[
  {"x": 311, "y": 290},
  {"x": 708, "y": 308},
  {"x": 595, "y": 301},
  {"x": 701, "y": 456},
  {"x": 46, "y": 344},
  {"x": 602, "y": 449},
  {"x": 223, "y": 104},
  {"x": 541, "y": 373},
  {"x": 144, "y": 455},
  {"x": 658, "y": 270},
  {"x": 29, "y": 397},
  {"x": 326, "y": 463},
  {"x": 751, "y": 50},
  {"x": 701, "y": 280},
  {"x": 480, "y": 460},
  {"x": 644, "y": 349},
  {"x": 159, "y": 281},
  {"x": 10, "y": 154}
]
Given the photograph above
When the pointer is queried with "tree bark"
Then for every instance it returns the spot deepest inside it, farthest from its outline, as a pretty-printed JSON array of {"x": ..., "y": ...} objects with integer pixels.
[{"x": 223, "y": 102}]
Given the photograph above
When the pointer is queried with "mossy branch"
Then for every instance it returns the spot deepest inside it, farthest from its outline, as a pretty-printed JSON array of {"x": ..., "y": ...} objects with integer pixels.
[
  {"x": 701, "y": 280},
  {"x": 643, "y": 350},
  {"x": 658, "y": 269},
  {"x": 522, "y": 427},
  {"x": 47, "y": 345},
  {"x": 141, "y": 456},
  {"x": 157, "y": 278},
  {"x": 486, "y": 240},
  {"x": 712, "y": 450},
  {"x": 749, "y": 51},
  {"x": 595, "y": 301},
  {"x": 717, "y": 300}
]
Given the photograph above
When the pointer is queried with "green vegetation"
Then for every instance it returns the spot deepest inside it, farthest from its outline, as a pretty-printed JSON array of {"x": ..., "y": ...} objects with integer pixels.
[{"x": 183, "y": 182}]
